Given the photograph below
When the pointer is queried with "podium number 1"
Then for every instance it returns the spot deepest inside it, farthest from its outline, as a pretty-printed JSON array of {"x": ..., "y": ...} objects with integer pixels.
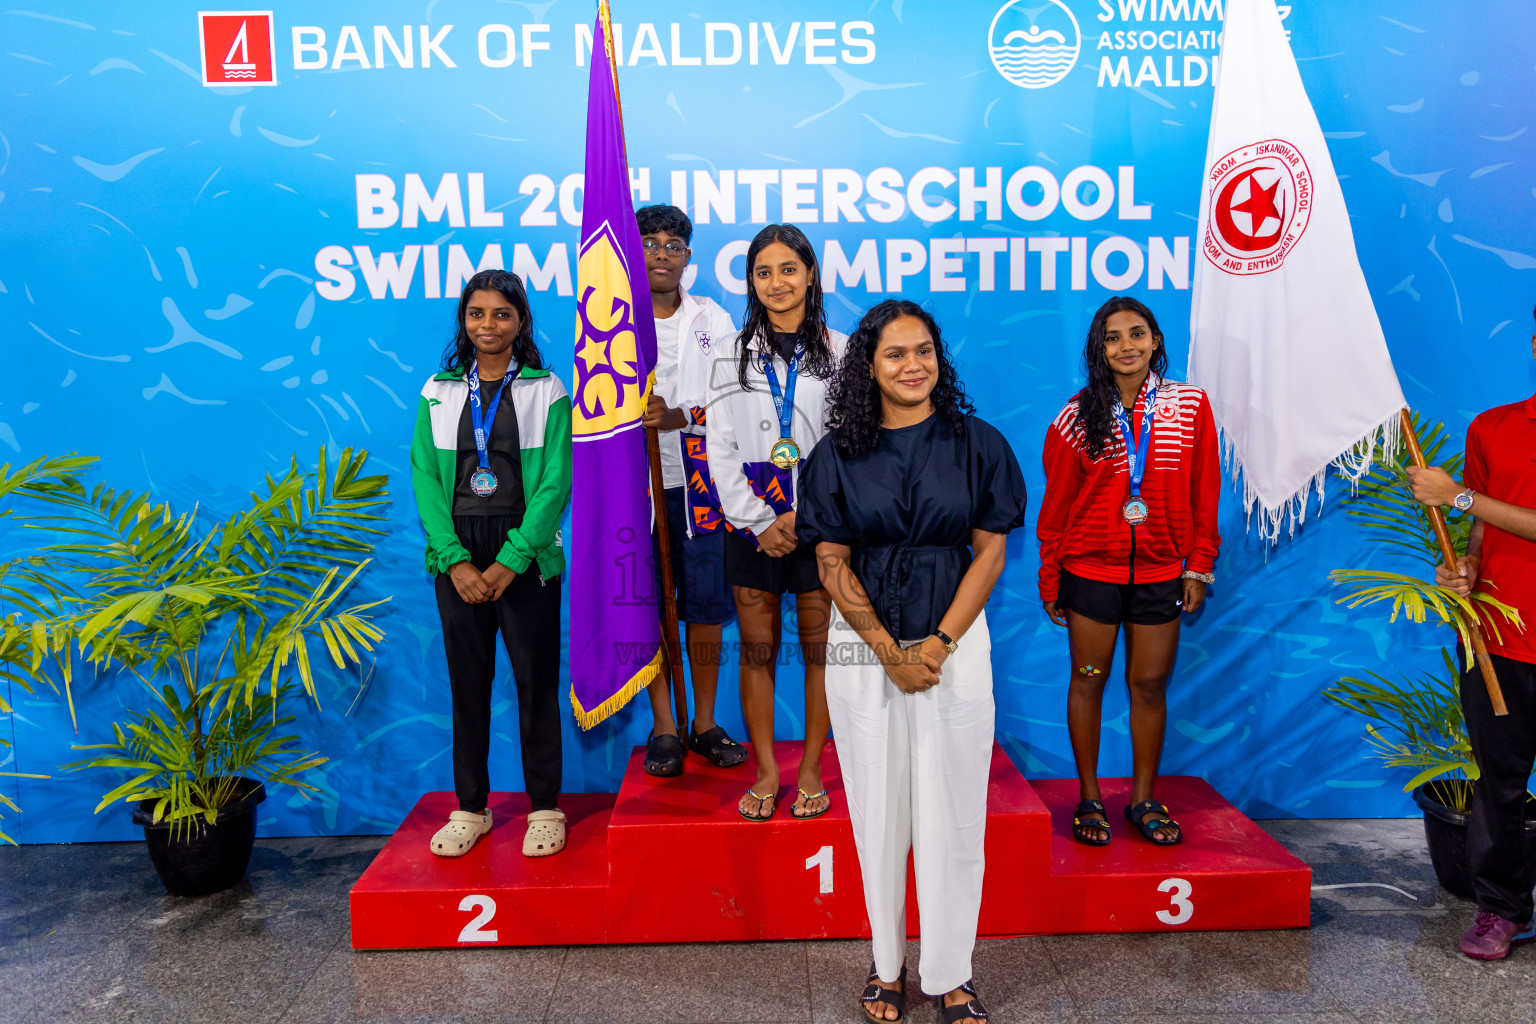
[
  {"x": 823, "y": 860},
  {"x": 1181, "y": 908},
  {"x": 476, "y": 931}
]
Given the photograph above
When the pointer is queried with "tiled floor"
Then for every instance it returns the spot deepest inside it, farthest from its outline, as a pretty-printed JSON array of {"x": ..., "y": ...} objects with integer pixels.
[{"x": 87, "y": 934}]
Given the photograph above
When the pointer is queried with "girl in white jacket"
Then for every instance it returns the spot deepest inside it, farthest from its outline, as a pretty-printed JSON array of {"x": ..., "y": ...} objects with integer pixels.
[{"x": 767, "y": 411}]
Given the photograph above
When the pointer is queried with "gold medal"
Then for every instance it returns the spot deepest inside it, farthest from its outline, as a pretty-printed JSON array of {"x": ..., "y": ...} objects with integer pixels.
[{"x": 785, "y": 453}]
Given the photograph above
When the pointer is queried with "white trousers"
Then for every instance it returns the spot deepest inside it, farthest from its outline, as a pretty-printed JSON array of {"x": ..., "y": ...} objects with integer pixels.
[{"x": 915, "y": 769}]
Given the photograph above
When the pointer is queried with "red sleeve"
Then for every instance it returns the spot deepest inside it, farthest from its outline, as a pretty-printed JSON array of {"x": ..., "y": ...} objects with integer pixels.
[
  {"x": 1205, "y": 473},
  {"x": 1475, "y": 466},
  {"x": 1063, "y": 478}
]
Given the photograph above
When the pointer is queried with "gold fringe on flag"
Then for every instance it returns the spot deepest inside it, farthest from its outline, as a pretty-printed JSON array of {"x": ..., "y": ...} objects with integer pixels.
[{"x": 639, "y": 681}]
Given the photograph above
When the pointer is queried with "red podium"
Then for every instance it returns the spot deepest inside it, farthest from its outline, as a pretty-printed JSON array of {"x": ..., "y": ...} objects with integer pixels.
[{"x": 670, "y": 860}]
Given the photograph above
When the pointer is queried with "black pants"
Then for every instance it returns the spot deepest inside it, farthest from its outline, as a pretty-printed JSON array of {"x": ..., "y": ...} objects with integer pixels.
[
  {"x": 1504, "y": 748},
  {"x": 528, "y": 616}
]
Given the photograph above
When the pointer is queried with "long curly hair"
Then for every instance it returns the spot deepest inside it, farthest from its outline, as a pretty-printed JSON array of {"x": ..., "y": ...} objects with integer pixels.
[
  {"x": 817, "y": 361},
  {"x": 460, "y": 353},
  {"x": 853, "y": 397},
  {"x": 1096, "y": 402}
]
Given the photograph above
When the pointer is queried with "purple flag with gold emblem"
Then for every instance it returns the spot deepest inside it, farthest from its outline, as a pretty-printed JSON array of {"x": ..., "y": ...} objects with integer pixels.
[{"x": 615, "y": 632}]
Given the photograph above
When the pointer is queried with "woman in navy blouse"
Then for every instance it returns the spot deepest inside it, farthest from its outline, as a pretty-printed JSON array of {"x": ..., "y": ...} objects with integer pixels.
[{"x": 908, "y": 500}]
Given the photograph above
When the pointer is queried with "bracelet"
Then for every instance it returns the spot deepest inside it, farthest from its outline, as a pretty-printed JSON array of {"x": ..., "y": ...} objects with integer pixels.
[{"x": 1204, "y": 577}]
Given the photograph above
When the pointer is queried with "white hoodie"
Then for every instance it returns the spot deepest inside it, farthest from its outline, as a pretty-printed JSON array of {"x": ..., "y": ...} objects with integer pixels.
[{"x": 742, "y": 427}]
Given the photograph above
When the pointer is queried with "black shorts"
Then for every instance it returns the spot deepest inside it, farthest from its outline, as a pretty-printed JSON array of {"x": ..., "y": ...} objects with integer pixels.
[
  {"x": 746, "y": 566},
  {"x": 1142, "y": 604},
  {"x": 698, "y": 567}
]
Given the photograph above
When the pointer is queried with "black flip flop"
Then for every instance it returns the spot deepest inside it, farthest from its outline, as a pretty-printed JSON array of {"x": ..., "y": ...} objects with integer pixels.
[
  {"x": 814, "y": 814},
  {"x": 756, "y": 819},
  {"x": 720, "y": 750},
  {"x": 663, "y": 756}
]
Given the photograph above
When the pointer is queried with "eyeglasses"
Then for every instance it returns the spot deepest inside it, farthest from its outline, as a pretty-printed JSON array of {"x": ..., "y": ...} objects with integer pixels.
[{"x": 673, "y": 249}]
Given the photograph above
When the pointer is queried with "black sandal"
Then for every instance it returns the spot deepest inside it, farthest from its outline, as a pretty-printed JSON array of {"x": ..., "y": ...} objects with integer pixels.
[
  {"x": 971, "y": 1008},
  {"x": 717, "y": 747},
  {"x": 663, "y": 756},
  {"x": 1084, "y": 829},
  {"x": 874, "y": 993},
  {"x": 1149, "y": 828}
]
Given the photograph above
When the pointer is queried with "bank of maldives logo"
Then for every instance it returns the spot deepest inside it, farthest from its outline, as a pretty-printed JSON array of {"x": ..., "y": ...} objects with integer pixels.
[
  {"x": 1033, "y": 43},
  {"x": 1261, "y": 201},
  {"x": 236, "y": 47}
]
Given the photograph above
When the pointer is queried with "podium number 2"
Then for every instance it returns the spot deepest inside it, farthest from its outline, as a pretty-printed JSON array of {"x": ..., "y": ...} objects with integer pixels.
[
  {"x": 1181, "y": 909},
  {"x": 476, "y": 931},
  {"x": 822, "y": 859}
]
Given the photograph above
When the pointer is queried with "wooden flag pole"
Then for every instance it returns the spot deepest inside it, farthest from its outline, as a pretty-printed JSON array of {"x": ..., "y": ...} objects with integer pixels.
[
  {"x": 1448, "y": 552},
  {"x": 671, "y": 653},
  {"x": 672, "y": 656}
]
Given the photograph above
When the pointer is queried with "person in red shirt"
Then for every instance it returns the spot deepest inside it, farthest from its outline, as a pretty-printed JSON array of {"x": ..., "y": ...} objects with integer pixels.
[
  {"x": 1500, "y": 491},
  {"x": 1127, "y": 536}
]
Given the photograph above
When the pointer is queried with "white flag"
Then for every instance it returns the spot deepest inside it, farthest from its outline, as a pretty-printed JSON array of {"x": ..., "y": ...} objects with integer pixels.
[{"x": 1283, "y": 336}]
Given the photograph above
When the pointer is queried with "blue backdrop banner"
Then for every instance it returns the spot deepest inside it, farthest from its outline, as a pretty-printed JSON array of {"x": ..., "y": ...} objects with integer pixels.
[{"x": 232, "y": 237}]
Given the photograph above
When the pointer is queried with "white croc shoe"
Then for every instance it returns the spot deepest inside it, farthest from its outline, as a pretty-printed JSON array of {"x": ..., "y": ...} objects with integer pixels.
[
  {"x": 546, "y": 834},
  {"x": 459, "y": 836}
]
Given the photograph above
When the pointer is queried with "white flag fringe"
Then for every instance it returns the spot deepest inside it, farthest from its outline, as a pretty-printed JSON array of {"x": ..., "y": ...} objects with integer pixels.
[
  {"x": 1283, "y": 335},
  {"x": 1292, "y": 511}
]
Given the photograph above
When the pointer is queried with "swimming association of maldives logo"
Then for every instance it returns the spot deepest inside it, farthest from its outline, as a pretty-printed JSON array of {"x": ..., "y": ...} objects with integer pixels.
[
  {"x": 1033, "y": 43},
  {"x": 236, "y": 47},
  {"x": 1260, "y": 203}
]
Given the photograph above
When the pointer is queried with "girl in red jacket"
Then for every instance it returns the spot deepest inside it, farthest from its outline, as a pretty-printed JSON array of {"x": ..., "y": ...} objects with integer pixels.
[{"x": 1127, "y": 535}]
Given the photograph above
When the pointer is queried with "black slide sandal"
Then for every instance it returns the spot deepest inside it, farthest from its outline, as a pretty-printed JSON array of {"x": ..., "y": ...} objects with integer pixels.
[
  {"x": 971, "y": 1008},
  {"x": 1090, "y": 831},
  {"x": 1149, "y": 828},
  {"x": 874, "y": 993}
]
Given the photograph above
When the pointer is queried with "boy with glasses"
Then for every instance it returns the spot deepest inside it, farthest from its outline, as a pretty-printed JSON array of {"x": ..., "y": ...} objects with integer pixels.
[{"x": 688, "y": 328}]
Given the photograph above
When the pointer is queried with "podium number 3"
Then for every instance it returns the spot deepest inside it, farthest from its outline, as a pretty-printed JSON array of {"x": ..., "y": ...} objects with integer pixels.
[
  {"x": 476, "y": 931},
  {"x": 822, "y": 859},
  {"x": 1181, "y": 909}
]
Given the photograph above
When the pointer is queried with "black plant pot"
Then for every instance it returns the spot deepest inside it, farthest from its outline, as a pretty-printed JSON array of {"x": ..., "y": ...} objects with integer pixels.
[
  {"x": 1446, "y": 832},
  {"x": 199, "y": 859}
]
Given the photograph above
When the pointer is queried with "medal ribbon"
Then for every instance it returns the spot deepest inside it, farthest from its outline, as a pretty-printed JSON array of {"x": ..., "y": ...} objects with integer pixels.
[
  {"x": 1137, "y": 454},
  {"x": 477, "y": 417},
  {"x": 783, "y": 401}
]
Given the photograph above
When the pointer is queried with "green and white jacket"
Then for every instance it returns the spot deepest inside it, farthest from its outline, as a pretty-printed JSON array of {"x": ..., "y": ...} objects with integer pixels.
[{"x": 544, "y": 439}]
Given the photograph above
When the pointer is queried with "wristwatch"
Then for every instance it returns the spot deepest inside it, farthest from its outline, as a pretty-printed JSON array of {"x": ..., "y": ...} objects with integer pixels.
[
  {"x": 949, "y": 642},
  {"x": 1463, "y": 501}
]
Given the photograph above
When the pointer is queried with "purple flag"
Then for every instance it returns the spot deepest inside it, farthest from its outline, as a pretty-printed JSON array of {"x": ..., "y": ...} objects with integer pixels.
[{"x": 615, "y": 631}]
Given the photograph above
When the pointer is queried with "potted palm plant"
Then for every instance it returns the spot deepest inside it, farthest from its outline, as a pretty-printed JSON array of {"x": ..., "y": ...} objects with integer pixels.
[
  {"x": 1417, "y": 723},
  {"x": 216, "y": 626}
]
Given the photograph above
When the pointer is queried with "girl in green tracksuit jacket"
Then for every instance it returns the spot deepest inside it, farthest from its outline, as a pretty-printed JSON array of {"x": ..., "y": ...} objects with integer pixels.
[{"x": 491, "y": 468}]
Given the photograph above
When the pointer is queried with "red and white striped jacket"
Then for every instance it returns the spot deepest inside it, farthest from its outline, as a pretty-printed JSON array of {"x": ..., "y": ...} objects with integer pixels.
[{"x": 1081, "y": 527}]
